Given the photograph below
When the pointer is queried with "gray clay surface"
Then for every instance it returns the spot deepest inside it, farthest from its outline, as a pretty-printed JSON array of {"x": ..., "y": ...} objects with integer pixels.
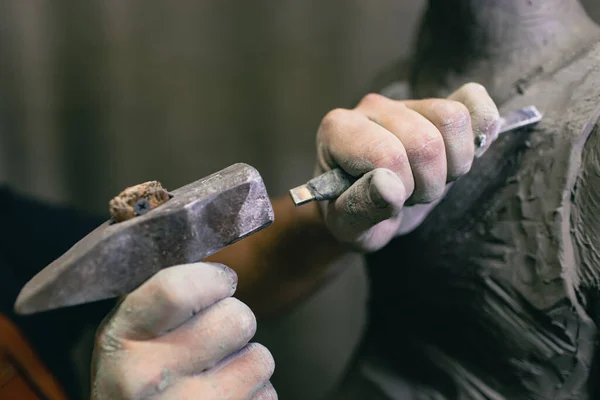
[{"x": 496, "y": 296}]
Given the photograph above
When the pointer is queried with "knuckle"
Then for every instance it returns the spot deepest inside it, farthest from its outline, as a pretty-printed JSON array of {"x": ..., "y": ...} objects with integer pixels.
[
  {"x": 473, "y": 87},
  {"x": 261, "y": 359},
  {"x": 429, "y": 151},
  {"x": 372, "y": 99},
  {"x": 166, "y": 288},
  {"x": 334, "y": 119},
  {"x": 394, "y": 161},
  {"x": 386, "y": 153},
  {"x": 454, "y": 117},
  {"x": 130, "y": 381}
]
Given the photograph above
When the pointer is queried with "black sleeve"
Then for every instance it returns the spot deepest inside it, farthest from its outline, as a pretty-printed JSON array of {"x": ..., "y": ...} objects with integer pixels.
[{"x": 32, "y": 235}]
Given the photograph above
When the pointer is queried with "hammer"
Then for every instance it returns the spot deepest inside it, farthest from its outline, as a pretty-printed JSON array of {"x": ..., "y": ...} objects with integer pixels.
[{"x": 194, "y": 221}]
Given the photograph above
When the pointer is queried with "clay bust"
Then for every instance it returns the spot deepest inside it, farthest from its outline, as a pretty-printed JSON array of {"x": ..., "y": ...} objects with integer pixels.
[{"x": 498, "y": 298}]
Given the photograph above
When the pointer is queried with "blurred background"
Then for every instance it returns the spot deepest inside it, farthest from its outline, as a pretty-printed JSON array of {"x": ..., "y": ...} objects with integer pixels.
[{"x": 99, "y": 95}]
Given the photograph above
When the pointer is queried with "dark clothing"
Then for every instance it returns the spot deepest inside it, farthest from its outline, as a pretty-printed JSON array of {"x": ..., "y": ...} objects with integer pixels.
[{"x": 33, "y": 234}]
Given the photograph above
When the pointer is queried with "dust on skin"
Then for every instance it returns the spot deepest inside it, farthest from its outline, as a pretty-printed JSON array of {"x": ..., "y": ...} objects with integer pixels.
[
  {"x": 165, "y": 382},
  {"x": 135, "y": 324}
]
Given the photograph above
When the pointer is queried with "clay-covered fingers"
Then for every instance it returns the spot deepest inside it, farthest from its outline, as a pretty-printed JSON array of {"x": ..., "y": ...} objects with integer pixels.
[
  {"x": 242, "y": 376},
  {"x": 422, "y": 142},
  {"x": 180, "y": 326},
  {"x": 485, "y": 117},
  {"x": 169, "y": 299},
  {"x": 404, "y": 153},
  {"x": 453, "y": 121},
  {"x": 359, "y": 144},
  {"x": 207, "y": 338}
]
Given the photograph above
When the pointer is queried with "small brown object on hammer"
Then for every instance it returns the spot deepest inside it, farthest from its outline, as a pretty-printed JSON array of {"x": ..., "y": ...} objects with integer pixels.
[
  {"x": 137, "y": 200},
  {"x": 200, "y": 219}
]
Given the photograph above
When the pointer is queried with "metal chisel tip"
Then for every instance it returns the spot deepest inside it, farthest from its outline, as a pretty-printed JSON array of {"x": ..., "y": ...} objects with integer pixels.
[{"x": 301, "y": 195}]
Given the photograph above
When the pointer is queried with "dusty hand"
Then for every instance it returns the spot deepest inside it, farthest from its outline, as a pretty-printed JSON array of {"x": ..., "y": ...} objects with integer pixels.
[
  {"x": 407, "y": 152},
  {"x": 182, "y": 336}
]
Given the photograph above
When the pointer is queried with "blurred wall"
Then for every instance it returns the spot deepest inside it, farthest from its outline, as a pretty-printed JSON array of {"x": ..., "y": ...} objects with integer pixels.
[
  {"x": 593, "y": 8},
  {"x": 99, "y": 95}
]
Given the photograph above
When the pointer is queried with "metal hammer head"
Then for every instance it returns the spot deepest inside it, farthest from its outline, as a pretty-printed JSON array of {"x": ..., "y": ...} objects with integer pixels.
[{"x": 200, "y": 219}]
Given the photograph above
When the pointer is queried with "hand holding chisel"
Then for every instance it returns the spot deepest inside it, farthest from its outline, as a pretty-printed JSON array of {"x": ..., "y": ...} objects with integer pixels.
[
  {"x": 331, "y": 184},
  {"x": 385, "y": 155}
]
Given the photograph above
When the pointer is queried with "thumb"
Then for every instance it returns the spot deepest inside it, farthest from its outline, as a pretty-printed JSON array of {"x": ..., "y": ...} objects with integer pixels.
[{"x": 368, "y": 213}]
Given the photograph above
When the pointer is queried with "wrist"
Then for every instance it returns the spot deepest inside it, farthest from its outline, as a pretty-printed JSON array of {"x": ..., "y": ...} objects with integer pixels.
[{"x": 283, "y": 264}]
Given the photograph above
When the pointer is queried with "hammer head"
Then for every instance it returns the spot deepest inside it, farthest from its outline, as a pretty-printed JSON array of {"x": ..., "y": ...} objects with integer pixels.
[{"x": 200, "y": 219}]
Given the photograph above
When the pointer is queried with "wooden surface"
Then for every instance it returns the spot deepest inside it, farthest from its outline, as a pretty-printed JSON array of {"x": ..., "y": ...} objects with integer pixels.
[{"x": 22, "y": 374}]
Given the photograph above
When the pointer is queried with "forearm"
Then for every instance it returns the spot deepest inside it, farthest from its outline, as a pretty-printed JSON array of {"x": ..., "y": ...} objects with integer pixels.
[{"x": 284, "y": 263}]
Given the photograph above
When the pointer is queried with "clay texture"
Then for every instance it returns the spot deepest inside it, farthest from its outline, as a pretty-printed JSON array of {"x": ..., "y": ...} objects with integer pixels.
[{"x": 496, "y": 296}]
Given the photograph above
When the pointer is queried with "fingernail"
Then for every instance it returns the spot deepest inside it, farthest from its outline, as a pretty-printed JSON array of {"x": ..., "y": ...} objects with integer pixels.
[
  {"x": 386, "y": 188},
  {"x": 233, "y": 278},
  {"x": 231, "y": 274},
  {"x": 376, "y": 198},
  {"x": 493, "y": 129},
  {"x": 488, "y": 134}
]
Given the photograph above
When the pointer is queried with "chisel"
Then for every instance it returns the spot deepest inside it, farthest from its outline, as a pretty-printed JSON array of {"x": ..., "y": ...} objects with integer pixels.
[{"x": 333, "y": 183}]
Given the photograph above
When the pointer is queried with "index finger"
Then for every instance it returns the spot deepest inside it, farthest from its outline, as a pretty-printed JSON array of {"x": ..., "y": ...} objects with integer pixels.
[{"x": 170, "y": 298}]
